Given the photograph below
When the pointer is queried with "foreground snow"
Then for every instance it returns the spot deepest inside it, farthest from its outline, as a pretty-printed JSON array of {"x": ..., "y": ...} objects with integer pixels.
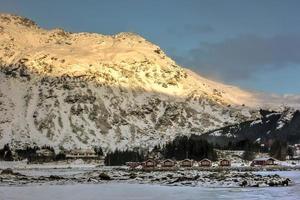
[
  {"x": 212, "y": 177},
  {"x": 120, "y": 191}
]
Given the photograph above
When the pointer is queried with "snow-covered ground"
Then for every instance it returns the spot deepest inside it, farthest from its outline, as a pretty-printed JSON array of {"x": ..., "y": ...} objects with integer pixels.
[
  {"x": 51, "y": 165},
  {"x": 116, "y": 191}
]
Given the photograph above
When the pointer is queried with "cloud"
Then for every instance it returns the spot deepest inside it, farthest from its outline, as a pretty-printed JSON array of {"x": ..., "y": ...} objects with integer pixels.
[
  {"x": 241, "y": 57},
  {"x": 276, "y": 100},
  {"x": 190, "y": 29}
]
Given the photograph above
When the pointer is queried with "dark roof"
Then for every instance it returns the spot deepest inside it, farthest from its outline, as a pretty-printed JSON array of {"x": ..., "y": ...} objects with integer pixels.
[
  {"x": 205, "y": 159},
  {"x": 264, "y": 159}
]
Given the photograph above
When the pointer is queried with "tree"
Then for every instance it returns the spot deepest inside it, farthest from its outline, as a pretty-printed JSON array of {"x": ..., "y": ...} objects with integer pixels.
[
  {"x": 60, "y": 156},
  {"x": 118, "y": 157},
  {"x": 248, "y": 155},
  {"x": 98, "y": 151},
  {"x": 290, "y": 152},
  {"x": 6, "y": 154},
  {"x": 27, "y": 153},
  {"x": 278, "y": 150},
  {"x": 193, "y": 147}
]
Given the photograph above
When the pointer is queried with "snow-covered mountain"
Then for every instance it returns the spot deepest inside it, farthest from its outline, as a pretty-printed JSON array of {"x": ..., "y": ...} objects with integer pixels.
[
  {"x": 283, "y": 125},
  {"x": 120, "y": 91}
]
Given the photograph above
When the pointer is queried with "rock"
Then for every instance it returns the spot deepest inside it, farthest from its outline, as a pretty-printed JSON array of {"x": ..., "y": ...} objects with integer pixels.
[
  {"x": 244, "y": 183},
  {"x": 7, "y": 171},
  {"x": 170, "y": 175},
  {"x": 255, "y": 185},
  {"x": 182, "y": 178},
  {"x": 196, "y": 177},
  {"x": 104, "y": 176},
  {"x": 132, "y": 176},
  {"x": 54, "y": 177},
  {"x": 272, "y": 184},
  {"x": 285, "y": 182}
]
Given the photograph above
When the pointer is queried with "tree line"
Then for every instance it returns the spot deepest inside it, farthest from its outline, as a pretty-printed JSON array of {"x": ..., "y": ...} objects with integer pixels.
[
  {"x": 118, "y": 157},
  {"x": 193, "y": 147}
]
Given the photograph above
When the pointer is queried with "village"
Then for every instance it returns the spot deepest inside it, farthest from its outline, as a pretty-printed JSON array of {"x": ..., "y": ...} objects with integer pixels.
[
  {"x": 155, "y": 161},
  {"x": 93, "y": 166},
  {"x": 227, "y": 160},
  {"x": 168, "y": 164},
  {"x": 187, "y": 172}
]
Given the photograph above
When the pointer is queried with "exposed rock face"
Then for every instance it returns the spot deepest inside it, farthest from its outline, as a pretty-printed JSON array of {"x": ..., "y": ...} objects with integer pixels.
[{"x": 121, "y": 91}]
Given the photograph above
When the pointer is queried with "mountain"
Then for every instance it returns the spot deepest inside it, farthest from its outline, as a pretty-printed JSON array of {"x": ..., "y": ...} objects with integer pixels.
[
  {"x": 272, "y": 125},
  {"x": 115, "y": 91}
]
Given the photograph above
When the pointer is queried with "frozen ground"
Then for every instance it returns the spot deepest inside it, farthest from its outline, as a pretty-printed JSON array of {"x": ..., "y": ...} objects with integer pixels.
[
  {"x": 126, "y": 191},
  {"x": 52, "y": 165},
  {"x": 116, "y": 191}
]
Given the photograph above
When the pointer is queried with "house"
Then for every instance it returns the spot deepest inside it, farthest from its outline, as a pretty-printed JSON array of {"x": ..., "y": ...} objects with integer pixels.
[
  {"x": 42, "y": 155},
  {"x": 133, "y": 165},
  {"x": 205, "y": 163},
  {"x": 186, "y": 163},
  {"x": 45, "y": 153},
  {"x": 224, "y": 163},
  {"x": 168, "y": 163},
  {"x": 263, "y": 161},
  {"x": 81, "y": 154},
  {"x": 149, "y": 164},
  {"x": 296, "y": 151}
]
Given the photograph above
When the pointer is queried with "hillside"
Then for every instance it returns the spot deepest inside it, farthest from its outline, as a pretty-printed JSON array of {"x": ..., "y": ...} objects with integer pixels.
[
  {"x": 272, "y": 125},
  {"x": 115, "y": 91}
]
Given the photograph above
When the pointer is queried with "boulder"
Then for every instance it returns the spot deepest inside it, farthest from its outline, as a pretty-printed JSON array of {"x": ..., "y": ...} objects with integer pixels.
[
  {"x": 104, "y": 176},
  {"x": 7, "y": 171}
]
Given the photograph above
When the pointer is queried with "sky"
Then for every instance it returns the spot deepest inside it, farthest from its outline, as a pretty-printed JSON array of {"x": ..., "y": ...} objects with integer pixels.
[{"x": 254, "y": 44}]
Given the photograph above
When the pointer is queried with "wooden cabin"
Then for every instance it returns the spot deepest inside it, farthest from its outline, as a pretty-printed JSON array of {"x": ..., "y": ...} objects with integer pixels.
[
  {"x": 263, "y": 162},
  {"x": 168, "y": 163},
  {"x": 224, "y": 163},
  {"x": 81, "y": 154},
  {"x": 149, "y": 164},
  {"x": 133, "y": 165},
  {"x": 186, "y": 163},
  {"x": 205, "y": 163}
]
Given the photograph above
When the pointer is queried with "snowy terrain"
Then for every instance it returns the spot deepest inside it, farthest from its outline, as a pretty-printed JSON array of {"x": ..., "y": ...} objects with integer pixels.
[
  {"x": 78, "y": 90},
  {"x": 127, "y": 191},
  {"x": 85, "y": 89}
]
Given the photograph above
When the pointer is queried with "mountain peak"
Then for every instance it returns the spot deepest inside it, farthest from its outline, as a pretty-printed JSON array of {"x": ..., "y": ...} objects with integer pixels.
[
  {"x": 85, "y": 89},
  {"x": 125, "y": 59}
]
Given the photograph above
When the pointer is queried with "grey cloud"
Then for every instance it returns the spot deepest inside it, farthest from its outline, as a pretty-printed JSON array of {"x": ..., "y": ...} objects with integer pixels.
[{"x": 241, "y": 57}]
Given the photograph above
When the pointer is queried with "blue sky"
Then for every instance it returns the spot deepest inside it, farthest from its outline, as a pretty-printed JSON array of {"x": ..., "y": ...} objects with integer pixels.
[{"x": 254, "y": 44}]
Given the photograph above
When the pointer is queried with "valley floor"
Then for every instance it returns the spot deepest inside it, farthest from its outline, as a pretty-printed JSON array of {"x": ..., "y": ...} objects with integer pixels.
[
  {"x": 92, "y": 173},
  {"x": 125, "y": 191}
]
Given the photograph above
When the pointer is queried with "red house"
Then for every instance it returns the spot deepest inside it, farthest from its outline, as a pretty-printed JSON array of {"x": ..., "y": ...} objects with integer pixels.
[
  {"x": 133, "y": 165},
  {"x": 224, "y": 163},
  {"x": 205, "y": 163},
  {"x": 149, "y": 164},
  {"x": 168, "y": 163},
  {"x": 263, "y": 161},
  {"x": 186, "y": 163}
]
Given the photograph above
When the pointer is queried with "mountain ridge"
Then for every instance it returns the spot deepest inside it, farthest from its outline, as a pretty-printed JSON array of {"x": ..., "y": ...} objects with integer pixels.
[{"x": 78, "y": 90}]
